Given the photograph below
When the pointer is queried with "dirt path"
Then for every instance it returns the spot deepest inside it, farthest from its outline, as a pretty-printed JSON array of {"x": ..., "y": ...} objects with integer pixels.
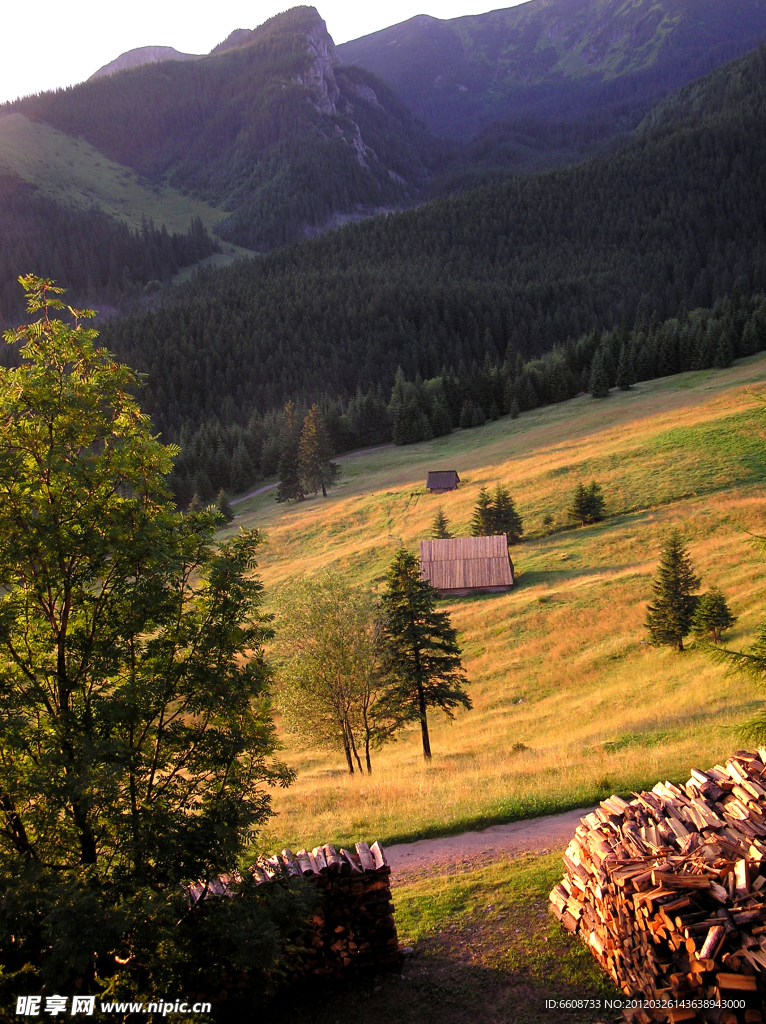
[
  {"x": 536, "y": 835},
  {"x": 340, "y": 458}
]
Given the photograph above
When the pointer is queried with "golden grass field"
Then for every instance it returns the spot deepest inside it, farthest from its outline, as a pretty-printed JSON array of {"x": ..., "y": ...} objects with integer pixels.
[{"x": 559, "y": 664}]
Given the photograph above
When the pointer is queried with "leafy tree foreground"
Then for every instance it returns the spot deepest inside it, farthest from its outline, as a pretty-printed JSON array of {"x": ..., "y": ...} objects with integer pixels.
[{"x": 135, "y": 727}]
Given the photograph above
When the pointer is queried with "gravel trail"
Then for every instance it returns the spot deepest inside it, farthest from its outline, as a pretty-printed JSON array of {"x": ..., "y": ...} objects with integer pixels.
[{"x": 458, "y": 853}]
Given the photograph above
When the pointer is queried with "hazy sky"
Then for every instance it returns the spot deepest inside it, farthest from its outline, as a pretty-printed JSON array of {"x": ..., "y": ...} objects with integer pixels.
[{"x": 49, "y": 44}]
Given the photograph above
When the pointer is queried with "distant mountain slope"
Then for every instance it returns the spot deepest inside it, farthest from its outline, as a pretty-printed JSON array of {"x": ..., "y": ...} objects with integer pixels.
[
  {"x": 73, "y": 173},
  {"x": 142, "y": 55},
  {"x": 555, "y": 59},
  {"x": 675, "y": 219},
  {"x": 272, "y": 129}
]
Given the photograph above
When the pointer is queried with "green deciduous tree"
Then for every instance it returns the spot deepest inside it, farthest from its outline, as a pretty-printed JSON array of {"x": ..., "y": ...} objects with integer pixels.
[
  {"x": 712, "y": 616},
  {"x": 588, "y": 504},
  {"x": 440, "y": 526},
  {"x": 422, "y": 654},
  {"x": 135, "y": 727},
  {"x": 315, "y": 468},
  {"x": 669, "y": 618},
  {"x": 330, "y": 676}
]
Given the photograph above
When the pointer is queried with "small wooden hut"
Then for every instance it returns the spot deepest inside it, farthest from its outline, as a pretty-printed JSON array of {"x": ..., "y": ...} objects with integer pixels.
[
  {"x": 466, "y": 565},
  {"x": 441, "y": 480}
]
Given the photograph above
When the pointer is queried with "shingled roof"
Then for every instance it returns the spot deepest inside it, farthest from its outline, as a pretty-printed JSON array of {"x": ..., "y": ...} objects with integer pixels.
[
  {"x": 464, "y": 564},
  {"x": 442, "y": 480}
]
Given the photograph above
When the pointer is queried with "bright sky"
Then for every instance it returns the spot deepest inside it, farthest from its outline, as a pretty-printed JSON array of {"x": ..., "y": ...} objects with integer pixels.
[{"x": 49, "y": 44}]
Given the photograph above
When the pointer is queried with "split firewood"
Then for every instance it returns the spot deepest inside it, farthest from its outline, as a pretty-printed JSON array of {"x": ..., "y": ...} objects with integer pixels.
[{"x": 668, "y": 891}]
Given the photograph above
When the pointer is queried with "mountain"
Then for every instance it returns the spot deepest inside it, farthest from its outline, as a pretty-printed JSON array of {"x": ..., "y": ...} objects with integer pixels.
[
  {"x": 555, "y": 60},
  {"x": 671, "y": 221},
  {"x": 271, "y": 127},
  {"x": 142, "y": 55}
]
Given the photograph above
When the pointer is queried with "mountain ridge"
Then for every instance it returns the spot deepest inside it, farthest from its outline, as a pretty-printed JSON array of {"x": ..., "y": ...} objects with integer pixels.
[{"x": 541, "y": 57}]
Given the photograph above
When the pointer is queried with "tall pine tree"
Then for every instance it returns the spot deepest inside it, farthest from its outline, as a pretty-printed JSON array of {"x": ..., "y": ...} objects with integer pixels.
[
  {"x": 482, "y": 521},
  {"x": 505, "y": 519},
  {"x": 316, "y": 470},
  {"x": 290, "y": 487},
  {"x": 422, "y": 654},
  {"x": 669, "y": 618}
]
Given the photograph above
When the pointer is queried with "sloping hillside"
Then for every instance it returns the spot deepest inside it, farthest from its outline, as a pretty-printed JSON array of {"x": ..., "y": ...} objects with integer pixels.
[
  {"x": 570, "y": 703},
  {"x": 71, "y": 172},
  {"x": 142, "y": 55}
]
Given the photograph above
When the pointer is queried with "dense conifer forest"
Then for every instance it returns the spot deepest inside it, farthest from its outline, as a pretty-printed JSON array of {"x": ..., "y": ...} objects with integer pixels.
[
  {"x": 501, "y": 276},
  {"x": 90, "y": 254}
]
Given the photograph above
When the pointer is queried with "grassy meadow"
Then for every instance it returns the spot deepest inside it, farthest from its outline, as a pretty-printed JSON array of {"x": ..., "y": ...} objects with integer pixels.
[
  {"x": 70, "y": 171},
  {"x": 570, "y": 703}
]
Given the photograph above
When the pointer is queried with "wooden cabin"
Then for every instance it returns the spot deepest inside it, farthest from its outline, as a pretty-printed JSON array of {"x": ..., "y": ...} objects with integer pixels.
[
  {"x": 467, "y": 565},
  {"x": 441, "y": 480}
]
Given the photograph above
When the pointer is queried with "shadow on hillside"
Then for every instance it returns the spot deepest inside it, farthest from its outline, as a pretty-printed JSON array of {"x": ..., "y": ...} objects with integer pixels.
[{"x": 554, "y": 577}]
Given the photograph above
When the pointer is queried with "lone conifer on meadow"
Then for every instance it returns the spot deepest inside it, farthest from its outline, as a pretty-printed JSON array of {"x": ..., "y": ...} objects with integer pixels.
[
  {"x": 587, "y": 504},
  {"x": 440, "y": 526},
  {"x": 482, "y": 519},
  {"x": 712, "y": 616},
  {"x": 669, "y": 618},
  {"x": 422, "y": 656},
  {"x": 505, "y": 518}
]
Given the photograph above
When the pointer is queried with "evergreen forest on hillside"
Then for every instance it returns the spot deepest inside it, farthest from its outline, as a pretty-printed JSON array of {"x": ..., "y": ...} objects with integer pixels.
[
  {"x": 671, "y": 223},
  {"x": 85, "y": 251}
]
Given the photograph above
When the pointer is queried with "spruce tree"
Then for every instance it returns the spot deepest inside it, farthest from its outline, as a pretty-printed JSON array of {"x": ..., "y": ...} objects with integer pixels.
[
  {"x": 482, "y": 521},
  {"x": 625, "y": 373},
  {"x": 669, "y": 618},
  {"x": 316, "y": 470},
  {"x": 712, "y": 616},
  {"x": 224, "y": 507},
  {"x": 598, "y": 381},
  {"x": 290, "y": 487},
  {"x": 422, "y": 656},
  {"x": 587, "y": 504},
  {"x": 440, "y": 526},
  {"x": 505, "y": 518}
]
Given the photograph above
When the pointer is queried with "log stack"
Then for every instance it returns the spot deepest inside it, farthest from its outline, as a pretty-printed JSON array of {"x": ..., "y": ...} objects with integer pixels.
[
  {"x": 668, "y": 890},
  {"x": 354, "y": 925}
]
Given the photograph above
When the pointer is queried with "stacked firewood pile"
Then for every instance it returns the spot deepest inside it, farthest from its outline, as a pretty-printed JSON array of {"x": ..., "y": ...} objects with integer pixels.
[
  {"x": 354, "y": 925},
  {"x": 669, "y": 892}
]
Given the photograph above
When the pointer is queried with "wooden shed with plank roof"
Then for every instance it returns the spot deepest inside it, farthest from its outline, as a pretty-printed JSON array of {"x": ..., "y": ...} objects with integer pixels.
[
  {"x": 441, "y": 480},
  {"x": 467, "y": 565}
]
